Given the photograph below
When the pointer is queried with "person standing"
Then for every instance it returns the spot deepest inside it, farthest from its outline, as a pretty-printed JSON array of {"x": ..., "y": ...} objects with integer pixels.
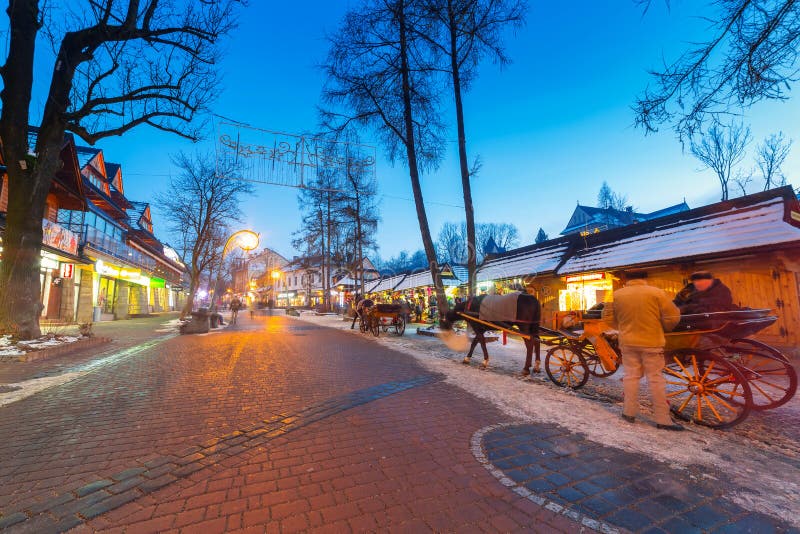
[
  {"x": 236, "y": 305},
  {"x": 642, "y": 313}
]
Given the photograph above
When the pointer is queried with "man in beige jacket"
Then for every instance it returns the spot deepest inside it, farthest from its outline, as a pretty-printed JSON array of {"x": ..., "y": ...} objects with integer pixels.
[{"x": 642, "y": 314}]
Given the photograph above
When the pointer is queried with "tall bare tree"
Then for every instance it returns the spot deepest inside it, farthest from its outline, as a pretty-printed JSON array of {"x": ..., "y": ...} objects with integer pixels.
[
  {"x": 320, "y": 204},
  {"x": 199, "y": 205},
  {"x": 770, "y": 155},
  {"x": 453, "y": 238},
  {"x": 505, "y": 236},
  {"x": 607, "y": 198},
  {"x": 451, "y": 243},
  {"x": 750, "y": 56},
  {"x": 721, "y": 149},
  {"x": 118, "y": 64},
  {"x": 376, "y": 78},
  {"x": 360, "y": 214},
  {"x": 462, "y": 34}
]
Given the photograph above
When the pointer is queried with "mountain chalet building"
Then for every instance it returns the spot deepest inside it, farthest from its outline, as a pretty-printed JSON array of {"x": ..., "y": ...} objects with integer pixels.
[
  {"x": 100, "y": 257},
  {"x": 751, "y": 243}
]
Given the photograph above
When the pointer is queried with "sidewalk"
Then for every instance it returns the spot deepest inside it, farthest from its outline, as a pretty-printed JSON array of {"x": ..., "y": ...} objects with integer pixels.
[
  {"x": 573, "y": 453},
  {"x": 124, "y": 335}
]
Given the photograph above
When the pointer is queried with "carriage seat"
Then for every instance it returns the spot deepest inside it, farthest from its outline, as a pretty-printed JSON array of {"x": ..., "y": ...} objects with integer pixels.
[{"x": 389, "y": 308}]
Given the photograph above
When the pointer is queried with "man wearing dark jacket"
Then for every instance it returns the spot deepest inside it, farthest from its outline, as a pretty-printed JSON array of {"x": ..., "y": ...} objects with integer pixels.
[{"x": 704, "y": 294}]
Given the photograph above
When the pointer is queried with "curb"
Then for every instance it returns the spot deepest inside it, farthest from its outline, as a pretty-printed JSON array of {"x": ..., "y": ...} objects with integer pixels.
[
  {"x": 52, "y": 352},
  {"x": 476, "y": 445}
]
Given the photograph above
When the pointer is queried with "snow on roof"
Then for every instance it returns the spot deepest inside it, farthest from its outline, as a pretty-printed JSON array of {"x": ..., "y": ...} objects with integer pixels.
[
  {"x": 536, "y": 261},
  {"x": 424, "y": 279},
  {"x": 758, "y": 225},
  {"x": 387, "y": 284},
  {"x": 85, "y": 155}
]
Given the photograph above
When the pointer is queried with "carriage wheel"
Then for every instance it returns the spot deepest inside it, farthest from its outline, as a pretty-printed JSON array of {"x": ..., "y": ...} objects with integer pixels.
[
  {"x": 705, "y": 388},
  {"x": 566, "y": 368},
  {"x": 362, "y": 325},
  {"x": 593, "y": 362},
  {"x": 400, "y": 325},
  {"x": 761, "y": 347},
  {"x": 772, "y": 379}
]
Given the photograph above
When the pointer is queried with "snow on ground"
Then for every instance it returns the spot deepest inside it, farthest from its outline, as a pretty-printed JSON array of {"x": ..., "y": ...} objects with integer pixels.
[
  {"x": 45, "y": 342},
  {"x": 765, "y": 472},
  {"x": 33, "y": 386},
  {"x": 9, "y": 348},
  {"x": 170, "y": 326}
]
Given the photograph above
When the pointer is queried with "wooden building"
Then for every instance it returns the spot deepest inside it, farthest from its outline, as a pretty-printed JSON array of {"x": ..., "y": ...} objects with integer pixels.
[{"x": 751, "y": 243}]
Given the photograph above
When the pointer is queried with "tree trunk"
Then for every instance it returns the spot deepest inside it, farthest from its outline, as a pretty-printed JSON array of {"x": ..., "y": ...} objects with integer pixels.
[
  {"x": 189, "y": 304},
  {"x": 472, "y": 258},
  {"x": 413, "y": 167},
  {"x": 20, "y": 286}
]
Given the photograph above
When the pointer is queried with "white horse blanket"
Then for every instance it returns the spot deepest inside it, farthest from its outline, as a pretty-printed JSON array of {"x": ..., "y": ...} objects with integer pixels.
[{"x": 499, "y": 308}]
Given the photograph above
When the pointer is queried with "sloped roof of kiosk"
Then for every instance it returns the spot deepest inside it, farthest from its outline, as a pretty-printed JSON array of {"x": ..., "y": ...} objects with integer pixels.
[
  {"x": 533, "y": 261},
  {"x": 736, "y": 229}
]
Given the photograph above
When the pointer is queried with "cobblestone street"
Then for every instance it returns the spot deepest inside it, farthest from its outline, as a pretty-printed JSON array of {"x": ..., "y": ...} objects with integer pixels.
[
  {"x": 273, "y": 423},
  {"x": 283, "y": 425}
]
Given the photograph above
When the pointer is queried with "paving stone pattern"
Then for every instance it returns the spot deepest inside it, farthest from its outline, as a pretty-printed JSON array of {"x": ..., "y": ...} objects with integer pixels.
[
  {"x": 620, "y": 488},
  {"x": 101, "y": 496},
  {"x": 117, "y": 447}
]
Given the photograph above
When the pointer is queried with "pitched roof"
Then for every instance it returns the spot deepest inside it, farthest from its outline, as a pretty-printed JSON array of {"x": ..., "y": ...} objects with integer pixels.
[
  {"x": 590, "y": 217},
  {"x": 86, "y": 155},
  {"x": 732, "y": 230},
  {"x": 542, "y": 258}
]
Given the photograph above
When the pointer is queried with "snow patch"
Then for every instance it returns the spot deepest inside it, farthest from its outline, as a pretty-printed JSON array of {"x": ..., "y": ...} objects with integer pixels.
[
  {"x": 33, "y": 386},
  {"x": 765, "y": 482}
]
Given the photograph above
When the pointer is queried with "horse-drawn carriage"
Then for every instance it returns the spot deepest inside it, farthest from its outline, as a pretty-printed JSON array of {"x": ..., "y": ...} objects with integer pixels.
[
  {"x": 382, "y": 317},
  {"x": 715, "y": 374}
]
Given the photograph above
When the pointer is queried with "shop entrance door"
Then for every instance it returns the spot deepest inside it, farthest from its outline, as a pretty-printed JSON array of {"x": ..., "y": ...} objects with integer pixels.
[
  {"x": 107, "y": 294},
  {"x": 54, "y": 300}
]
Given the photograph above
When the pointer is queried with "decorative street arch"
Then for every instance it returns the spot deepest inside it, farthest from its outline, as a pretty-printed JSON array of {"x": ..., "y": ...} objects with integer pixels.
[{"x": 244, "y": 152}]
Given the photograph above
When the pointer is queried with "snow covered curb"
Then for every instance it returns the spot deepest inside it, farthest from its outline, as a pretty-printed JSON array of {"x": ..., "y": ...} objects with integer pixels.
[
  {"x": 763, "y": 482},
  {"x": 42, "y": 350},
  {"x": 54, "y": 350}
]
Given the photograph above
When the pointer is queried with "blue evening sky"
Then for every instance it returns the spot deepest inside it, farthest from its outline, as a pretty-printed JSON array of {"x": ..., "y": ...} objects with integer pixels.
[{"x": 549, "y": 128}]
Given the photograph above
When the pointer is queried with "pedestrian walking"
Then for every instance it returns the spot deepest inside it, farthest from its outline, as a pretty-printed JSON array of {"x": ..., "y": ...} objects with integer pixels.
[
  {"x": 236, "y": 305},
  {"x": 642, "y": 313}
]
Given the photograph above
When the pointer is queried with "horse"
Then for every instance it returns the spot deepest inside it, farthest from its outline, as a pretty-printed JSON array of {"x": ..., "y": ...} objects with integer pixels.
[
  {"x": 519, "y": 312},
  {"x": 363, "y": 305}
]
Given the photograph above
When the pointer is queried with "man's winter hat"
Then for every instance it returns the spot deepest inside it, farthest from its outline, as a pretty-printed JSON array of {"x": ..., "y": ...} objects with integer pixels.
[{"x": 701, "y": 275}]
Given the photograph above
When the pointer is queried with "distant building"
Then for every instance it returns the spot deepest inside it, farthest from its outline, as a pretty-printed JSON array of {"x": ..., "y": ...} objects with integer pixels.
[
  {"x": 302, "y": 283},
  {"x": 490, "y": 248},
  {"x": 100, "y": 257},
  {"x": 591, "y": 220},
  {"x": 253, "y": 276}
]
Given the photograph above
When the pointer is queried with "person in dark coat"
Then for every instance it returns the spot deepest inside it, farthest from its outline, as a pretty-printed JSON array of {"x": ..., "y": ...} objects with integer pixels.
[{"x": 704, "y": 294}]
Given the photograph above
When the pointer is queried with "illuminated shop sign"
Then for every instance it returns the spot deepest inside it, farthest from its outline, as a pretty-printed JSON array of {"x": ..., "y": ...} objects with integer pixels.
[
  {"x": 67, "y": 270},
  {"x": 586, "y": 277},
  {"x": 130, "y": 275}
]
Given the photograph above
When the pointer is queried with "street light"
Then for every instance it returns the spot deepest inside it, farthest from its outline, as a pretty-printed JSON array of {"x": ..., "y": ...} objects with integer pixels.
[{"x": 247, "y": 240}]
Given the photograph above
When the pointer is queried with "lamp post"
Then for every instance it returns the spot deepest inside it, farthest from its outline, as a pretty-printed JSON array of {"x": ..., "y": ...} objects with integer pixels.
[{"x": 247, "y": 240}]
